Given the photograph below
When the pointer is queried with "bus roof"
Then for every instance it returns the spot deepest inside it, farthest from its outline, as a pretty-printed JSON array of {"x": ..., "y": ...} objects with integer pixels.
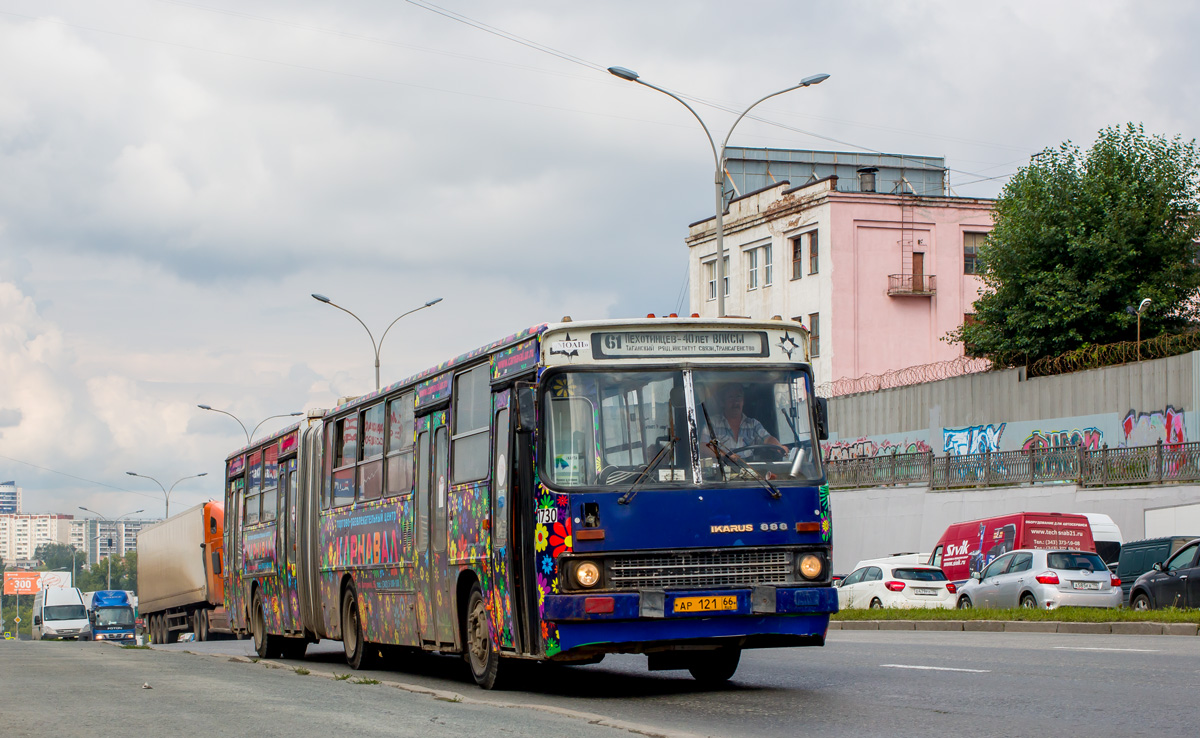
[{"x": 567, "y": 325}]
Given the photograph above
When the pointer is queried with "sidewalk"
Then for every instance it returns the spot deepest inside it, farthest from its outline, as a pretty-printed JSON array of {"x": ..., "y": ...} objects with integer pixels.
[{"x": 1020, "y": 626}]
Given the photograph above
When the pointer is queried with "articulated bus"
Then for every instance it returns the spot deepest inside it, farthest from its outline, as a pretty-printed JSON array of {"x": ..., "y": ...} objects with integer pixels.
[{"x": 576, "y": 489}]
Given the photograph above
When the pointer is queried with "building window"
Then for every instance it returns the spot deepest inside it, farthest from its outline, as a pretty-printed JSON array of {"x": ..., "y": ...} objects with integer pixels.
[
  {"x": 971, "y": 244},
  {"x": 752, "y": 269},
  {"x": 797, "y": 257},
  {"x": 710, "y": 277},
  {"x": 814, "y": 334},
  {"x": 767, "y": 266},
  {"x": 814, "y": 253}
]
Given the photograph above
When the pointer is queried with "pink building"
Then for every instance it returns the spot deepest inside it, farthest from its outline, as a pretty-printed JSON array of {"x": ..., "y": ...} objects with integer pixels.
[{"x": 878, "y": 279}]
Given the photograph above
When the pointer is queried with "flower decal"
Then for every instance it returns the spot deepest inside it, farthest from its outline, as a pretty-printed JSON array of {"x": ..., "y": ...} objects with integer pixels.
[
  {"x": 560, "y": 539},
  {"x": 540, "y": 538},
  {"x": 547, "y": 565}
]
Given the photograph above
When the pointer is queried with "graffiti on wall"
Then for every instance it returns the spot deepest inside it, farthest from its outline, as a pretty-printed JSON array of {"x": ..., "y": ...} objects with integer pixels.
[
  {"x": 867, "y": 448},
  {"x": 1090, "y": 438},
  {"x": 1145, "y": 429},
  {"x": 974, "y": 439}
]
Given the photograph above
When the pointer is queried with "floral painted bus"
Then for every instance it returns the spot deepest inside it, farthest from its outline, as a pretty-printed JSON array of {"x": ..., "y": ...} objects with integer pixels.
[{"x": 577, "y": 489}]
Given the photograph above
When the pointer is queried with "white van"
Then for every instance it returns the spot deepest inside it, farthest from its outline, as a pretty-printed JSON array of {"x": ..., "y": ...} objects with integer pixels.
[
  {"x": 59, "y": 612},
  {"x": 1107, "y": 536}
]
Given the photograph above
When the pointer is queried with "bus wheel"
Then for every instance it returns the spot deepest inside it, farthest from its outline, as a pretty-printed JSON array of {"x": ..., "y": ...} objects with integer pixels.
[
  {"x": 266, "y": 645},
  {"x": 359, "y": 653},
  {"x": 716, "y": 667},
  {"x": 483, "y": 659}
]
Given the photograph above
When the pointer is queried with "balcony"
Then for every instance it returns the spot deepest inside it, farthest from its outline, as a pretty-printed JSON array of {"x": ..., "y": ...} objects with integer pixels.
[{"x": 912, "y": 285}]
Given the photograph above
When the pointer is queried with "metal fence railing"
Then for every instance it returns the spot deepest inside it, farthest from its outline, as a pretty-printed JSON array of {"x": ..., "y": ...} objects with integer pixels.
[{"x": 1156, "y": 464}]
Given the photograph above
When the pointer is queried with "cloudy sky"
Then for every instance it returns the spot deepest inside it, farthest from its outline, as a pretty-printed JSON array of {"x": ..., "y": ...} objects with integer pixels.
[{"x": 176, "y": 178}]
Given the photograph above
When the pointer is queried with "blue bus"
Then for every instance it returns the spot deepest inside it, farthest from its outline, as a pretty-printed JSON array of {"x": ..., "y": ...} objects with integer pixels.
[{"x": 577, "y": 489}]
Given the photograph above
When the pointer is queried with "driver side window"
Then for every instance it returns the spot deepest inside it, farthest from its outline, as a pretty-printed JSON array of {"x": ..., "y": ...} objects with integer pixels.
[
  {"x": 1183, "y": 559},
  {"x": 854, "y": 578},
  {"x": 997, "y": 567}
]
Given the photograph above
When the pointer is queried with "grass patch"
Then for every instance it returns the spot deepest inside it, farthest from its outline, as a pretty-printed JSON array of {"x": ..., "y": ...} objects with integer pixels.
[
  {"x": 456, "y": 698},
  {"x": 1062, "y": 614},
  {"x": 301, "y": 671},
  {"x": 340, "y": 677},
  {"x": 146, "y": 648},
  {"x": 367, "y": 680}
]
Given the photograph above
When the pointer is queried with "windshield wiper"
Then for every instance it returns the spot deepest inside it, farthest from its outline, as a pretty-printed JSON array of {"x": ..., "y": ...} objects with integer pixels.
[
  {"x": 715, "y": 445},
  {"x": 662, "y": 453}
]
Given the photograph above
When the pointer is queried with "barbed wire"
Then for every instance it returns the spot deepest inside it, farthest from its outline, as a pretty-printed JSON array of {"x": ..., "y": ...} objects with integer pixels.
[
  {"x": 1111, "y": 354},
  {"x": 910, "y": 375}
]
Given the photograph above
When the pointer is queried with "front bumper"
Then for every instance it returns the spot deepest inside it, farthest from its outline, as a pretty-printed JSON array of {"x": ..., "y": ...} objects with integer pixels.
[{"x": 624, "y": 621}]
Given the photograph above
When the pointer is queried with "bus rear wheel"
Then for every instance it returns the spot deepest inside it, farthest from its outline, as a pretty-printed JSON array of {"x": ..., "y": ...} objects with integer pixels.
[
  {"x": 359, "y": 653},
  {"x": 482, "y": 658},
  {"x": 716, "y": 667},
  {"x": 266, "y": 645}
]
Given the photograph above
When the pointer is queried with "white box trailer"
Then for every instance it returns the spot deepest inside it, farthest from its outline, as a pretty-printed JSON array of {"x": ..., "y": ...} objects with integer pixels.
[{"x": 179, "y": 563}]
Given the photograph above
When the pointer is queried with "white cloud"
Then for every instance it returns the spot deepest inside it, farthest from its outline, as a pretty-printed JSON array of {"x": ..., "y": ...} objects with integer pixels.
[{"x": 178, "y": 180}]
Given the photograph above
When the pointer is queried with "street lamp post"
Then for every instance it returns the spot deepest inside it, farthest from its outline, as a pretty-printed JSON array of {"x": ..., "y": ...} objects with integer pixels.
[
  {"x": 375, "y": 346},
  {"x": 167, "y": 492},
  {"x": 1141, "y": 309},
  {"x": 249, "y": 434},
  {"x": 719, "y": 159},
  {"x": 108, "y": 584}
]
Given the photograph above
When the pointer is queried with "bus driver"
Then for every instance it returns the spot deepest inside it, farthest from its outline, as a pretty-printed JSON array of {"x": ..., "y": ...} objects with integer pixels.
[{"x": 732, "y": 427}]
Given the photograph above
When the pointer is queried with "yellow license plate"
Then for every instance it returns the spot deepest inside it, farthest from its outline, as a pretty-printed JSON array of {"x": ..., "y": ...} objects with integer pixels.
[{"x": 705, "y": 604}]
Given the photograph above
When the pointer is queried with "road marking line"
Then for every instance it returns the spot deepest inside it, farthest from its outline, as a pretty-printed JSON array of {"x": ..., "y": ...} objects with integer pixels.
[
  {"x": 935, "y": 668},
  {"x": 1087, "y": 648}
]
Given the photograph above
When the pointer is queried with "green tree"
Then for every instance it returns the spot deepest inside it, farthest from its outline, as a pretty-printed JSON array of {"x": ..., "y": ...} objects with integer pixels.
[
  {"x": 1081, "y": 237},
  {"x": 59, "y": 556}
]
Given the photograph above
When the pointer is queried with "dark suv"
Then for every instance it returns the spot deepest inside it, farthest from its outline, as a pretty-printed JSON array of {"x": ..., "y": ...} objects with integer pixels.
[
  {"x": 1171, "y": 583},
  {"x": 1139, "y": 557}
]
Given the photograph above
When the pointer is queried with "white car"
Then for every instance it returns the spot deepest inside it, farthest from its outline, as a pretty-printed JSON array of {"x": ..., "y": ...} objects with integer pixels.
[{"x": 896, "y": 585}]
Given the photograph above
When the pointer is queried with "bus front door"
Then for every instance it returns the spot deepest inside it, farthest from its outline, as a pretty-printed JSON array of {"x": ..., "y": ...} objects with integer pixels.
[{"x": 286, "y": 530}]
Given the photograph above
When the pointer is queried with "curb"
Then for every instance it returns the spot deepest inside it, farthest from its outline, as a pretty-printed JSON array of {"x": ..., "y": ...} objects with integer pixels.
[{"x": 1022, "y": 626}]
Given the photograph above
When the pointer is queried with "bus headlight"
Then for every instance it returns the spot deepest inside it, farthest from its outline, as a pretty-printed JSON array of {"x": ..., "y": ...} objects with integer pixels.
[
  {"x": 587, "y": 574},
  {"x": 811, "y": 566}
]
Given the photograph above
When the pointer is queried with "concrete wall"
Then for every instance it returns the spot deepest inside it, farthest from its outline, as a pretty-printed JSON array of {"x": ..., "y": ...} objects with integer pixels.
[
  {"x": 874, "y": 522},
  {"x": 1132, "y": 404}
]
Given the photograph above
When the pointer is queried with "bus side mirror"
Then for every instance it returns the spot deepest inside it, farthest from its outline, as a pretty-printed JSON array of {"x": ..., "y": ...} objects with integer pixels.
[
  {"x": 37, "y": 619},
  {"x": 822, "y": 419},
  {"x": 525, "y": 397}
]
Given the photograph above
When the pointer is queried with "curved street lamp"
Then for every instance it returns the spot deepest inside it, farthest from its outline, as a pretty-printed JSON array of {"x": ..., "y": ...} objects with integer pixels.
[
  {"x": 249, "y": 434},
  {"x": 166, "y": 491},
  {"x": 375, "y": 346},
  {"x": 719, "y": 158},
  {"x": 1141, "y": 309},
  {"x": 98, "y": 536}
]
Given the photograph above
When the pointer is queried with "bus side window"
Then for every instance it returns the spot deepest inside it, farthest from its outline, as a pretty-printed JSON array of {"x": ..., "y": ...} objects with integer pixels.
[{"x": 472, "y": 405}]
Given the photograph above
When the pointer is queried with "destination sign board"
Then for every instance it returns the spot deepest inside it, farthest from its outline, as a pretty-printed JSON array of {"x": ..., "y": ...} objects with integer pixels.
[{"x": 676, "y": 344}]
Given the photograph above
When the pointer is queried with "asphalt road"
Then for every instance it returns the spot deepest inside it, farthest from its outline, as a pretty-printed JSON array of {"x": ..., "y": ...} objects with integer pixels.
[{"x": 863, "y": 683}]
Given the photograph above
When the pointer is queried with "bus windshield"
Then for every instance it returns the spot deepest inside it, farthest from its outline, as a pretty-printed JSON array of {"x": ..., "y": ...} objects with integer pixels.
[{"x": 613, "y": 429}]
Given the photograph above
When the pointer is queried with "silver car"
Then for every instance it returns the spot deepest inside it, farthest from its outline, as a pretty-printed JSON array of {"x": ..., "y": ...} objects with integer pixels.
[{"x": 1042, "y": 579}]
